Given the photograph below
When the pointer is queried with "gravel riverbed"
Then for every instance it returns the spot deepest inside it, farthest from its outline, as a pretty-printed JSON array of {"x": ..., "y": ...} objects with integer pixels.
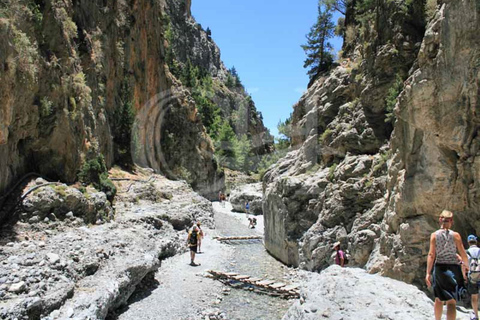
[{"x": 183, "y": 292}]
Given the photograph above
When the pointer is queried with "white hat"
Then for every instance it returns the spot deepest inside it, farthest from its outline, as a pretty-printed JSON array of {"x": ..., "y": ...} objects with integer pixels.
[{"x": 336, "y": 244}]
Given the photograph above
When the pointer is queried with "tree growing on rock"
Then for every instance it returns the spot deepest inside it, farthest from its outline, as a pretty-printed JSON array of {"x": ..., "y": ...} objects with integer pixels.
[{"x": 318, "y": 48}]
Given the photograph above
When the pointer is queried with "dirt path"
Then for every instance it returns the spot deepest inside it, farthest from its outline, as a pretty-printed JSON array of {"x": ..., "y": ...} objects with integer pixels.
[{"x": 184, "y": 293}]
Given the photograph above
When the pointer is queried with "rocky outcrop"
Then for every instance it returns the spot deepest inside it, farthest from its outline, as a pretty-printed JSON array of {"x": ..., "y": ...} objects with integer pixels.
[
  {"x": 251, "y": 193},
  {"x": 332, "y": 187},
  {"x": 62, "y": 269},
  {"x": 351, "y": 293},
  {"x": 60, "y": 202},
  {"x": 435, "y": 144},
  {"x": 380, "y": 197},
  {"x": 191, "y": 43}
]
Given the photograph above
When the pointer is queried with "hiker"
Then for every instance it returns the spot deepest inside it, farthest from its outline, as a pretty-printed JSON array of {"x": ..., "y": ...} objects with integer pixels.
[
  {"x": 200, "y": 237},
  {"x": 220, "y": 196},
  {"x": 473, "y": 253},
  {"x": 340, "y": 255},
  {"x": 192, "y": 242},
  {"x": 223, "y": 199},
  {"x": 253, "y": 222},
  {"x": 247, "y": 207},
  {"x": 447, "y": 279}
]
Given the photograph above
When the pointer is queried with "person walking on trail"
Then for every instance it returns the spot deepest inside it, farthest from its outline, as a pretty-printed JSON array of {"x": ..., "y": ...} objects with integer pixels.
[
  {"x": 340, "y": 255},
  {"x": 253, "y": 222},
  {"x": 192, "y": 243},
  {"x": 447, "y": 278},
  {"x": 473, "y": 253},
  {"x": 199, "y": 237},
  {"x": 247, "y": 207}
]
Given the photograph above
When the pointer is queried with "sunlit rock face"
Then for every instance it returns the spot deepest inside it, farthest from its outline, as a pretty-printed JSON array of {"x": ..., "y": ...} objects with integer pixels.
[
  {"x": 350, "y": 180},
  {"x": 435, "y": 143}
]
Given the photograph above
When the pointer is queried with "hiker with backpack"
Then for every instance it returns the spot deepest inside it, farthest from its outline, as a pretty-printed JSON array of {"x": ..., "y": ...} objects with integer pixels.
[
  {"x": 340, "y": 256},
  {"x": 443, "y": 269},
  {"x": 192, "y": 243},
  {"x": 473, "y": 253},
  {"x": 252, "y": 222}
]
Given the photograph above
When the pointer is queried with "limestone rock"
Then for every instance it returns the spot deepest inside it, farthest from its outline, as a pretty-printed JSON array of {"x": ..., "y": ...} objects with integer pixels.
[
  {"x": 249, "y": 192},
  {"x": 17, "y": 287},
  {"x": 351, "y": 293},
  {"x": 435, "y": 145}
]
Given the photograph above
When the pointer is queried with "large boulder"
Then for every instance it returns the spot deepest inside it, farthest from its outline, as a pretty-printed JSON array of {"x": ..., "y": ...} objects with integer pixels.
[
  {"x": 351, "y": 293},
  {"x": 251, "y": 193},
  {"x": 59, "y": 201}
]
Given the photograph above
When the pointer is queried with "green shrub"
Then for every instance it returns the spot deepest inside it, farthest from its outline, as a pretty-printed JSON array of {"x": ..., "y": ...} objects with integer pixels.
[
  {"x": 325, "y": 136},
  {"x": 391, "y": 99},
  {"x": 94, "y": 171},
  {"x": 46, "y": 107},
  {"x": 331, "y": 172}
]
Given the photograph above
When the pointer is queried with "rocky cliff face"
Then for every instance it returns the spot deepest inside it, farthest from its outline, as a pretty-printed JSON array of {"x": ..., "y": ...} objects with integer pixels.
[
  {"x": 435, "y": 143},
  {"x": 191, "y": 43},
  {"x": 69, "y": 68},
  {"x": 332, "y": 186},
  {"x": 348, "y": 181}
]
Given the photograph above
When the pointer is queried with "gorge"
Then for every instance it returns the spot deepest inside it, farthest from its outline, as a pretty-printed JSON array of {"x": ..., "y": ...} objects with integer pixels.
[{"x": 120, "y": 124}]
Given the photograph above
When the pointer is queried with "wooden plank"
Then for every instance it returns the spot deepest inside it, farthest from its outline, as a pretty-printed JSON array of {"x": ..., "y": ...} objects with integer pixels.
[
  {"x": 239, "y": 238},
  {"x": 241, "y": 277},
  {"x": 265, "y": 282},
  {"x": 290, "y": 287},
  {"x": 231, "y": 274},
  {"x": 253, "y": 280},
  {"x": 277, "y": 285}
]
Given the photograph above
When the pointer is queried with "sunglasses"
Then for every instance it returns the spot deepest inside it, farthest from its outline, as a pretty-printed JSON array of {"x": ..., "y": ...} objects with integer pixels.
[{"x": 447, "y": 219}]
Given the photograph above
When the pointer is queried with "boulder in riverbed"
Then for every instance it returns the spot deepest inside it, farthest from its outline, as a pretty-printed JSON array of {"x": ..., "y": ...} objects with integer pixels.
[
  {"x": 251, "y": 193},
  {"x": 351, "y": 293}
]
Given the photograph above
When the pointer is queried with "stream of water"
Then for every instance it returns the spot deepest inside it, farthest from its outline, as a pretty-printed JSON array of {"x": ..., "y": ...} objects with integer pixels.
[{"x": 250, "y": 258}]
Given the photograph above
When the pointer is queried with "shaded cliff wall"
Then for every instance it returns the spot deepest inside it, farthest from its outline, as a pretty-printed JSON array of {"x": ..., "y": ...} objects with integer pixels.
[{"x": 67, "y": 67}]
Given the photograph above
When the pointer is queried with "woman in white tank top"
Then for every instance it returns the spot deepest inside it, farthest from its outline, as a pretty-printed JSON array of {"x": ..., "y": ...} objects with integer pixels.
[{"x": 448, "y": 282}]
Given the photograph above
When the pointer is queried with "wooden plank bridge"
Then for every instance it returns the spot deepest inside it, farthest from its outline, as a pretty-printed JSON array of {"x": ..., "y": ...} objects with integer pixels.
[
  {"x": 238, "y": 238},
  {"x": 258, "y": 285}
]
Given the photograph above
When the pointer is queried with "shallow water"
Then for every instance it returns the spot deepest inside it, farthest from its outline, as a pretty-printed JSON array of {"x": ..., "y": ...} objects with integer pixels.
[{"x": 250, "y": 258}]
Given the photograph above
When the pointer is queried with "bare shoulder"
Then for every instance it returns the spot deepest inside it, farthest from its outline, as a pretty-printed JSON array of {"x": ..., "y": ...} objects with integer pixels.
[{"x": 457, "y": 236}]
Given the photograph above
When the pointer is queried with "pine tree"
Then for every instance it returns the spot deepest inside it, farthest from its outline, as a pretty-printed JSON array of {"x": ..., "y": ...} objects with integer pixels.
[
  {"x": 209, "y": 34},
  {"x": 318, "y": 48},
  {"x": 225, "y": 144},
  {"x": 338, "y": 5}
]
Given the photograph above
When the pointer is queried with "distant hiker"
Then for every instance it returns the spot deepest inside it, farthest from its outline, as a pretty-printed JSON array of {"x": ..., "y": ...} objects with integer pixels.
[
  {"x": 253, "y": 222},
  {"x": 223, "y": 199},
  {"x": 448, "y": 282},
  {"x": 473, "y": 253},
  {"x": 220, "y": 197},
  {"x": 192, "y": 242},
  {"x": 247, "y": 207},
  {"x": 340, "y": 255},
  {"x": 200, "y": 237}
]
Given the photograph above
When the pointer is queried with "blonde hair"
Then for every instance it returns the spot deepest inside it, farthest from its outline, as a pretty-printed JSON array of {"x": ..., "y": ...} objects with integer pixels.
[{"x": 446, "y": 214}]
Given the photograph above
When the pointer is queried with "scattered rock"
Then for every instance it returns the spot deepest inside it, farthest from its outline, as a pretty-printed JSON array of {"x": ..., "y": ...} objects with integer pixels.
[{"x": 17, "y": 287}]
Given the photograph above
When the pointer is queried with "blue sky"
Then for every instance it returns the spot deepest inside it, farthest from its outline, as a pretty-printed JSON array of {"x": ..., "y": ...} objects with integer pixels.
[{"x": 262, "y": 40}]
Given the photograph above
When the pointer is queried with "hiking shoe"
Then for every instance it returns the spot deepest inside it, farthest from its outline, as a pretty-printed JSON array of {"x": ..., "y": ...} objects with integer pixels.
[
  {"x": 193, "y": 264},
  {"x": 472, "y": 317}
]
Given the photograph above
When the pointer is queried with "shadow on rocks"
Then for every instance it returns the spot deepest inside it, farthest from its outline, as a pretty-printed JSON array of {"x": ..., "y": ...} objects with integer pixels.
[{"x": 143, "y": 290}]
